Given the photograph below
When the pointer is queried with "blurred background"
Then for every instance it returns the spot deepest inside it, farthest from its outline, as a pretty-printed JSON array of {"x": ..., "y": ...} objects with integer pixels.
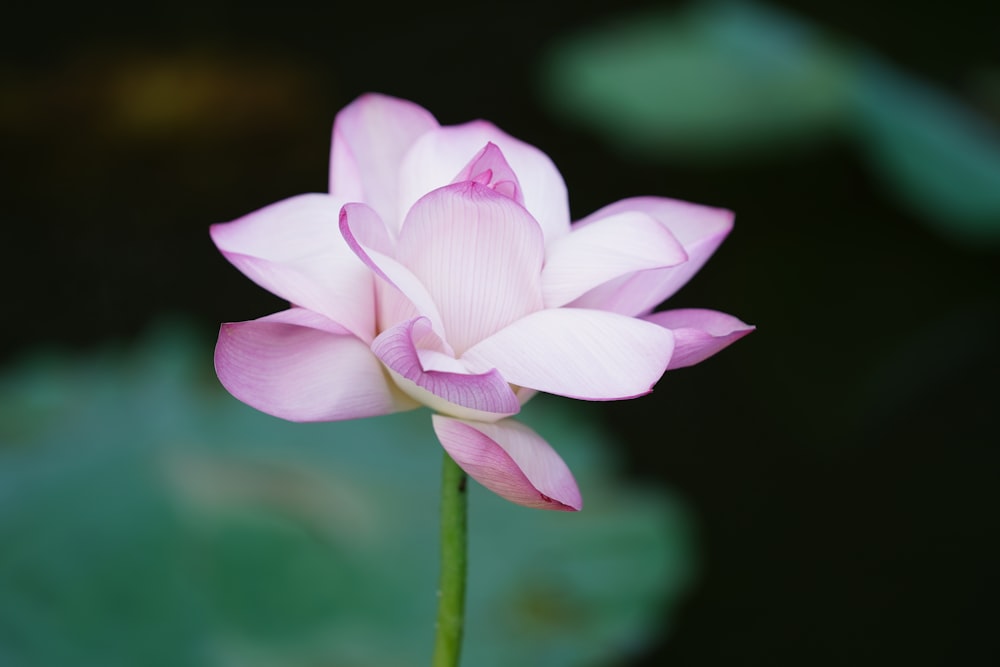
[{"x": 823, "y": 493}]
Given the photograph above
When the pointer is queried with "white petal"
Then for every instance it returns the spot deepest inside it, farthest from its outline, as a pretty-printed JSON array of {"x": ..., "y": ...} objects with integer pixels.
[
  {"x": 370, "y": 137},
  {"x": 610, "y": 247},
  {"x": 587, "y": 354},
  {"x": 479, "y": 254},
  {"x": 294, "y": 249},
  {"x": 438, "y": 156}
]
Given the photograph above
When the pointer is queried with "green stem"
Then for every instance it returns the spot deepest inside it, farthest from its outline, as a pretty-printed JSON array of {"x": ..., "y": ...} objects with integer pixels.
[{"x": 451, "y": 590}]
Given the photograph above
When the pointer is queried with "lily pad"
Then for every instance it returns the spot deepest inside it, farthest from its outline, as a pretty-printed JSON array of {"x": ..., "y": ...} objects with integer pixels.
[
  {"x": 719, "y": 79},
  {"x": 149, "y": 518}
]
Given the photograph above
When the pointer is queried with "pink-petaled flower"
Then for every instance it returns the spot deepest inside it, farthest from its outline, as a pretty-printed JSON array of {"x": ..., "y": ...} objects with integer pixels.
[{"x": 442, "y": 270}]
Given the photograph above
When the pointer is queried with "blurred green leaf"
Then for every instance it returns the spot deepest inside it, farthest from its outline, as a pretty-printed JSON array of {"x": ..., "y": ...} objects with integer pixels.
[
  {"x": 719, "y": 79},
  {"x": 938, "y": 156},
  {"x": 150, "y": 519}
]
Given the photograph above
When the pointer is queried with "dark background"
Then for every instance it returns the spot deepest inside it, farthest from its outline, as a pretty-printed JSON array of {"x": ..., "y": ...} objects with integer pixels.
[{"x": 840, "y": 461}]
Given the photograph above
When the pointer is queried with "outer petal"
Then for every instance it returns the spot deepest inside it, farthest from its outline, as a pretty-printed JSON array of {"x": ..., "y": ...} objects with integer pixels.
[
  {"x": 439, "y": 155},
  {"x": 485, "y": 396},
  {"x": 700, "y": 229},
  {"x": 511, "y": 460},
  {"x": 607, "y": 248},
  {"x": 699, "y": 333},
  {"x": 293, "y": 248},
  {"x": 588, "y": 354},
  {"x": 480, "y": 256},
  {"x": 370, "y": 137},
  {"x": 299, "y": 366}
]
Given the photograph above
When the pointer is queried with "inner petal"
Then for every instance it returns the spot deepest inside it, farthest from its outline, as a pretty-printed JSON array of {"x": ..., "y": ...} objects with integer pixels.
[
  {"x": 490, "y": 168},
  {"x": 480, "y": 256}
]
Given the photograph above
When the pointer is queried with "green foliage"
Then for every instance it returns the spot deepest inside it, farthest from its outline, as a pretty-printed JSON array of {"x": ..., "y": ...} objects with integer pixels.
[
  {"x": 739, "y": 80},
  {"x": 148, "y": 518}
]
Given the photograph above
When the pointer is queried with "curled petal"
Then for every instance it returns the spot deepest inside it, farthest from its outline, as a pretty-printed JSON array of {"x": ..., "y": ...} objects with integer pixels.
[
  {"x": 484, "y": 396},
  {"x": 441, "y": 153},
  {"x": 480, "y": 257},
  {"x": 587, "y": 354},
  {"x": 370, "y": 137},
  {"x": 293, "y": 249},
  {"x": 699, "y": 229},
  {"x": 511, "y": 460},
  {"x": 699, "y": 333},
  {"x": 300, "y": 366},
  {"x": 367, "y": 237},
  {"x": 607, "y": 248}
]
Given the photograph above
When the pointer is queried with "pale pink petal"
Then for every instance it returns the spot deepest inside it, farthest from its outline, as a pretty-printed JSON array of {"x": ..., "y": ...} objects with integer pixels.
[
  {"x": 297, "y": 365},
  {"x": 294, "y": 249},
  {"x": 366, "y": 235},
  {"x": 370, "y": 137},
  {"x": 699, "y": 333},
  {"x": 700, "y": 229},
  {"x": 587, "y": 354},
  {"x": 480, "y": 257},
  {"x": 486, "y": 392},
  {"x": 439, "y": 155},
  {"x": 609, "y": 247},
  {"x": 490, "y": 168},
  {"x": 511, "y": 460}
]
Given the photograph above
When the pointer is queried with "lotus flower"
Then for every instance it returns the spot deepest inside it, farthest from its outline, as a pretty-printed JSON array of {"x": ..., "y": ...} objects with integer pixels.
[{"x": 442, "y": 270}]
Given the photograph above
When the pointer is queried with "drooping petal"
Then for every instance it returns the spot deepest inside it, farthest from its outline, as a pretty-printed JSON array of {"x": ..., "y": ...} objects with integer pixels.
[
  {"x": 294, "y": 249},
  {"x": 603, "y": 250},
  {"x": 699, "y": 229},
  {"x": 300, "y": 366},
  {"x": 480, "y": 257},
  {"x": 366, "y": 235},
  {"x": 511, "y": 460},
  {"x": 490, "y": 168},
  {"x": 699, "y": 333},
  {"x": 438, "y": 155},
  {"x": 370, "y": 137},
  {"x": 484, "y": 396},
  {"x": 587, "y": 354}
]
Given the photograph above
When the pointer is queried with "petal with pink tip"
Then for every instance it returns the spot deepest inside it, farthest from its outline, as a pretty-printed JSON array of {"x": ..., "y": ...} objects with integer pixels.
[
  {"x": 587, "y": 354},
  {"x": 511, "y": 460},
  {"x": 440, "y": 154},
  {"x": 370, "y": 137},
  {"x": 699, "y": 333},
  {"x": 293, "y": 249},
  {"x": 603, "y": 250},
  {"x": 367, "y": 237},
  {"x": 699, "y": 229},
  {"x": 300, "y": 366},
  {"x": 487, "y": 394},
  {"x": 480, "y": 256},
  {"x": 490, "y": 168}
]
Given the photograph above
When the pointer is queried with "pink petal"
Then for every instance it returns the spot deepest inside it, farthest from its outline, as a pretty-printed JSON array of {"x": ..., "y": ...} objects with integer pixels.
[
  {"x": 700, "y": 230},
  {"x": 370, "y": 137},
  {"x": 300, "y": 366},
  {"x": 480, "y": 256},
  {"x": 367, "y": 237},
  {"x": 490, "y": 168},
  {"x": 484, "y": 393},
  {"x": 439, "y": 155},
  {"x": 511, "y": 460},
  {"x": 293, "y": 249},
  {"x": 605, "y": 249},
  {"x": 699, "y": 333},
  {"x": 587, "y": 354}
]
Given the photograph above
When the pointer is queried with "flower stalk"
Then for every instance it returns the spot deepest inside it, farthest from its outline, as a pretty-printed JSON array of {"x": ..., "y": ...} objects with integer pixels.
[{"x": 451, "y": 588}]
